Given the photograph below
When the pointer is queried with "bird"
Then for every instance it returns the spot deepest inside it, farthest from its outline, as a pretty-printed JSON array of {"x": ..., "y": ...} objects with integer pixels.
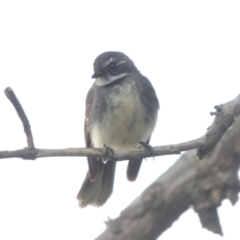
[{"x": 121, "y": 114}]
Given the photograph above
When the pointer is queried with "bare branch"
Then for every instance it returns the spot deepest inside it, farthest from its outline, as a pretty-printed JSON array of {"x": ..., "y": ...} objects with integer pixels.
[
  {"x": 224, "y": 117},
  {"x": 18, "y": 107}
]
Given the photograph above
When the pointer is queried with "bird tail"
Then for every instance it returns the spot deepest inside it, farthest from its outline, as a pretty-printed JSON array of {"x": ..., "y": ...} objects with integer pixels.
[
  {"x": 133, "y": 169},
  {"x": 97, "y": 192}
]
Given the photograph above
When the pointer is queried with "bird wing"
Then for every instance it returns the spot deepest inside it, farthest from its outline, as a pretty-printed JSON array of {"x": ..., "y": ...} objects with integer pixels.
[{"x": 93, "y": 163}]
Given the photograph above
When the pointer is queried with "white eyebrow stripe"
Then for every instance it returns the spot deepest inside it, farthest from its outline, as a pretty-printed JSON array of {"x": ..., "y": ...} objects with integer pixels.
[
  {"x": 107, "y": 62},
  {"x": 121, "y": 62}
]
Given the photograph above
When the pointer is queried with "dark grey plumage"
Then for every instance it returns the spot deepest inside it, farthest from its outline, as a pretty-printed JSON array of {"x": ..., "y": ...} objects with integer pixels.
[{"x": 121, "y": 111}]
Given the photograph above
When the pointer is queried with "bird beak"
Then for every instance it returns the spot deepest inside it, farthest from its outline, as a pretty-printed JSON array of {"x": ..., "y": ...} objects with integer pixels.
[{"x": 96, "y": 75}]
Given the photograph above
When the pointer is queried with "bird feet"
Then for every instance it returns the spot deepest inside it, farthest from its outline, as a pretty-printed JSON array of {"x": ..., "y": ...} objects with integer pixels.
[
  {"x": 108, "y": 153},
  {"x": 148, "y": 148}
]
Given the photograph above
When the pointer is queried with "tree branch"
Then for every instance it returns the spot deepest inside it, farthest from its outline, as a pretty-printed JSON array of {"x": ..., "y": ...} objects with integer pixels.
[
  {"x": 224, "y": 118},
  {"x": 189, "y": 182},
  {"x": 18, "y": 107}
]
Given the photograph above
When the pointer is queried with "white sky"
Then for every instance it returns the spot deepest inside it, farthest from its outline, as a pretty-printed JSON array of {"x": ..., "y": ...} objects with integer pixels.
[{"x": 189, "y": 50}]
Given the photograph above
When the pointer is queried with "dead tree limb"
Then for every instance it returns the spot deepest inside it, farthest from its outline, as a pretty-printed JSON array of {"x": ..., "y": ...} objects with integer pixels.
[
  {"x": 188, "y": 183},
  {"x": 224, "y": 117}
]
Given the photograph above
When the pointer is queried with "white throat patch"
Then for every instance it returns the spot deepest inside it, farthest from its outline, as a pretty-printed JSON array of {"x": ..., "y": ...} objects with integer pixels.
[{"x": 100, "y": 81}]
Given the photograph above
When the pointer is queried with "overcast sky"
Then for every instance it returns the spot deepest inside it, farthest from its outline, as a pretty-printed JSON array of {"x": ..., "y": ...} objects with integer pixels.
[{"x": 188, "y": 49}]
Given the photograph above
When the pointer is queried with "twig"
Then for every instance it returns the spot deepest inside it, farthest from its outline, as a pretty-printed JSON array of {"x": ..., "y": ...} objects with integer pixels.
[{"x": 18, "y": 107}]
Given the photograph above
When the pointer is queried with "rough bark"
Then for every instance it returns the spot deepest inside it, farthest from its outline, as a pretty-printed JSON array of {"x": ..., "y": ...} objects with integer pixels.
[{"x": 202, "y": 184}]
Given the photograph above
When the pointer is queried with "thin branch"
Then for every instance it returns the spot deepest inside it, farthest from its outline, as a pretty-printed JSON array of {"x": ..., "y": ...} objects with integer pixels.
[
  {"x": 224, "y": 118},
  {"x": 18, "y": 107}
]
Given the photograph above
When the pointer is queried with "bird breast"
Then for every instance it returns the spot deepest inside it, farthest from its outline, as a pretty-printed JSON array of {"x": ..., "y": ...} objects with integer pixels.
[{"x": 126, "y": 121}]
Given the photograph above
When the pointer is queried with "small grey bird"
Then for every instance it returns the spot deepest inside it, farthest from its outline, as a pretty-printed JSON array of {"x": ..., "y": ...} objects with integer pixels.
[{"x": 121, "y": 113}]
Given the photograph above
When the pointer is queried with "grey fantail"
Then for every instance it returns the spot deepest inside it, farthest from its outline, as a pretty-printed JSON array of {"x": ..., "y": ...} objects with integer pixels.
[{"x": 121, "y": 112}]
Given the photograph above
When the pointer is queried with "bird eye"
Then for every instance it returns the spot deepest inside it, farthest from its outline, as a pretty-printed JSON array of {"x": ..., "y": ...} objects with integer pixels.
[{"x": 113, "y": 66}]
